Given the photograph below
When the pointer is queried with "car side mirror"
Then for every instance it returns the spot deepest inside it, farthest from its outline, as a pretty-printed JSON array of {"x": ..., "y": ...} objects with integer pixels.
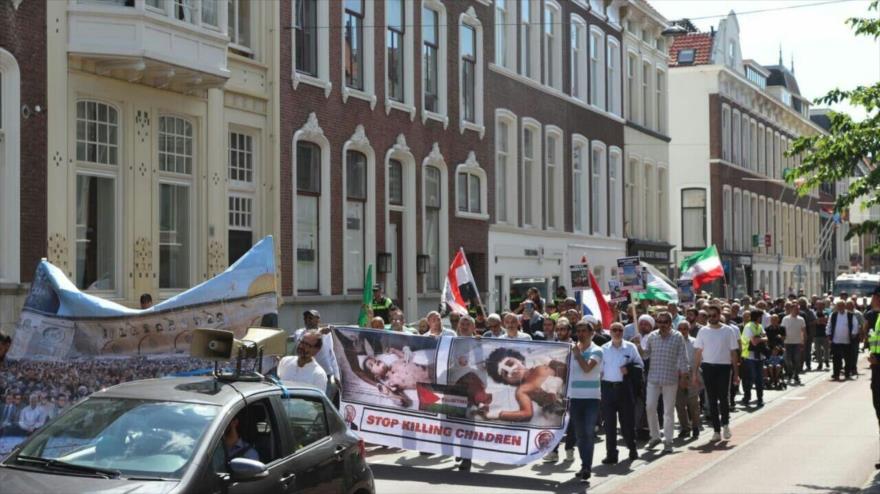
[{"x": 245, "y": 469}]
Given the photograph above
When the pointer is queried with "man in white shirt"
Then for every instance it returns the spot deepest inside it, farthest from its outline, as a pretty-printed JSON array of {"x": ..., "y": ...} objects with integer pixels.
[
  {"x": 303, "y": 369},
  {"x": 493, "y": 326},
  {"x": 717, "y": 354},
  {"x": 795, "y": 338},
  {"x": 617, "y": 395},
  {"x": 842, "y": 330},
  {"x": 325, "y": 357},
  {"x": 511, "y": 327}
]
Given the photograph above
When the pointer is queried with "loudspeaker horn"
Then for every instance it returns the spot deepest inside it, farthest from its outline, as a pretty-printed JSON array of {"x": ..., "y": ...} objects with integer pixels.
[
  {"x": 212, "y": 344},
  {"x": 272, "y": 341}
]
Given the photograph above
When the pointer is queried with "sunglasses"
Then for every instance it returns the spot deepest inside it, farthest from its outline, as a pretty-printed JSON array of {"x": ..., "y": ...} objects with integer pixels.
[{"x": 617, "y": 331}]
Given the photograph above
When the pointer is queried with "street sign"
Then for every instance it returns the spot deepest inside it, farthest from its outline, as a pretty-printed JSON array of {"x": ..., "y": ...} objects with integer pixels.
[{"x": 756, "y": 240}]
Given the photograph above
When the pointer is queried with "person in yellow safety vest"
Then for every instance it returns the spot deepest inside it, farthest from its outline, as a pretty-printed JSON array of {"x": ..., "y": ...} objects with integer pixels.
[
  {"x": 381, "y": 305},
  {"x": 874, "y": 358},
  {"x": 754, "y": 343}
]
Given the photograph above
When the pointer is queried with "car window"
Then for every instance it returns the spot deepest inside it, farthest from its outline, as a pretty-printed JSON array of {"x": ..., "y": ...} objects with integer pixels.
[
  {"x": 254, "y": 436},
  {"x": 307, "y": 420}
]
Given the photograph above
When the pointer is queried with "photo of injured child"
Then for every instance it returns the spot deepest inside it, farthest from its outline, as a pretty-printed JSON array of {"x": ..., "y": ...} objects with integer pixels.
[
  {"x": 511, "y": 382},
  {"x": 382, "y": 368}
]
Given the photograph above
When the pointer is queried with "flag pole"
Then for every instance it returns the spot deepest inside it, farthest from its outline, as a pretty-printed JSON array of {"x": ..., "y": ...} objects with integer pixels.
[{"x": 479, "y": 299}]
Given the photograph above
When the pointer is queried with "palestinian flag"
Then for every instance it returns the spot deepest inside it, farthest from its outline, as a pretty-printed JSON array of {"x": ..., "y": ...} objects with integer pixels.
[
  {"x": 439, "y": 398},
  {"x": 702, "y": 267},
  {"x": 459, "y": 288},
  {"x": 658, "y": 286}
]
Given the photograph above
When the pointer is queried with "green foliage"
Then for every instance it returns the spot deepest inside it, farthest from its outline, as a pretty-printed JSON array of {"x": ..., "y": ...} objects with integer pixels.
[{"x": 828, "y": 158}]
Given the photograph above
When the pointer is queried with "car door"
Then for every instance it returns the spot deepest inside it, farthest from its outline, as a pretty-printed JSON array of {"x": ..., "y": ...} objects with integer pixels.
[{"x": 314, "y": 457}]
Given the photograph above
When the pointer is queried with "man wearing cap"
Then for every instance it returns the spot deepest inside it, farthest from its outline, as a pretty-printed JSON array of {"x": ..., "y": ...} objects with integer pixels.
[
  {"x": 324, "y": 356},
  {"x": 381, "y": 304}
]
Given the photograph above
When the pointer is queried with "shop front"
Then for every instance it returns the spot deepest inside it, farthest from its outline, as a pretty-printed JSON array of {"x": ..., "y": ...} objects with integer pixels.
[{"x": 655, "y": 253}]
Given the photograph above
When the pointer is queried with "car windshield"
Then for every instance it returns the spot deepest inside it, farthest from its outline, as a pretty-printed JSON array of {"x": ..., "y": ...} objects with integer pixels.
[
  {"x": 855, "y": 287},
  {"x": 134, "y": 437}
]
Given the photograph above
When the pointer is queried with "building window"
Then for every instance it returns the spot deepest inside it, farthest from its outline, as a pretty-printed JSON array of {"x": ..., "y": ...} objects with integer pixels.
[
  {"x": 662, "y": 200},
  {"x": 734, "y": 155},
  {"x": 753, "y": 145},
  {"x": 650, "y": 187},
  {"x": 693, "y": 219},
  {"x": 210, "y": 13},
  {"x": 174, "y": 236},
  {"x": 502, "y": 157},
  {"x": 727, "y": 220},
  {"x": 615, "y": 203},
  {"x": 578, "y": 58},
  {"x": 355, "y": 211},
  {"x": 660, "y": 100},
  {"x": 631, "y": 213},
  {"x": 243, "y": 189},
  {"x": 308, "y": 197},
  {"x": 598, "y": 189},
  {"x": 97, "y": 133},
  {"x": 761, "y": 224},
  {"x": 531, "y": 176},
  {"x": 725, "y": 133},
  {"x": 433, "y": 205},
  {"x": 241, "y": 235},
  {"x": 431, "y": 51},
  {"x": 394, "y": 15},
  {"x": 353, "y": 51},
  {"x": 554, "y": 188},
  {"x": 761, "y": 151},
  {"x": 468, "y": 192},
  {"x": 175, "y": 145},
  {"x": 746, "y": 143},
  {"x": 306, "y": 27},
  {"x": 10, "y": 190},
  {"x": 580, "y": 187},
  {"x": 647, "y": 72},
  {"x": 468, "y": 44},
  {"x": 552, "y": 46},
  {"x": 614, "y": 77},
  {"x": 395, "y": 183},
  {"x": 686, "y": 57},
  {"x": 95, "y": 232},
  {"x": 597, "y": 68},
  {"x": 239, "y": 19},
  {"x": 737, "y": 220},
  {"x": 746, "y": 222},
  {"x": 644, "y": 206},
  {"x": 503, "y": 20},
  {"x": 632, "y": 95},
  {"x": 529, "y": 43}
]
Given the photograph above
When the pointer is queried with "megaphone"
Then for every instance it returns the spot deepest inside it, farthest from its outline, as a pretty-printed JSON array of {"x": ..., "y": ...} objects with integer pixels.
[
  {"x": 212, "y": 344},
  {"x": 272, "y": 341}
]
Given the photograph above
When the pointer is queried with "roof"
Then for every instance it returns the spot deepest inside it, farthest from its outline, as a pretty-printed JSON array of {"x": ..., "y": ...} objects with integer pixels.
[
  {"x": 701, "y": 43},
  {"x": 203, "y": 390},
  {"x": 781, "y": 76}
]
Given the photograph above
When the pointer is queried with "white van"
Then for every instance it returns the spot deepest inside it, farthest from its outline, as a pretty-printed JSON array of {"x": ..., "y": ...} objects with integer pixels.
[{"x": 861, "y": 284}]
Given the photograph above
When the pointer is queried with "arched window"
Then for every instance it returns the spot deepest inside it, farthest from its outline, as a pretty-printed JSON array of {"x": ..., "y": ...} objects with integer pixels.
[
  {"x": 355, "y": 218},
  {"x": 470, "y": 182},
  {"x": 308, "y": 219},
  {"x": 505, "y": 167},
  {"x": 434, "y": 216}
]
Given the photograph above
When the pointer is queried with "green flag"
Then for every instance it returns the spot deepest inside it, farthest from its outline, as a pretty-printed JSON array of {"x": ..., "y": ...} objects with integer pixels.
[{"x": 364, "y": 317}]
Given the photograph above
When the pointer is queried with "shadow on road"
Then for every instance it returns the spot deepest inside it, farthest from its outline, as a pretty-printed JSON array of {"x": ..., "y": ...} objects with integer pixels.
[
  {"x": 475, "y": 479},
  {"x": 836, "y": 489}
]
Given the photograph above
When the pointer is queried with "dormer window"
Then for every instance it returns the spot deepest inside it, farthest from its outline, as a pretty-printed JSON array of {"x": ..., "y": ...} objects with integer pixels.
[{"x": 686, "y": 57}]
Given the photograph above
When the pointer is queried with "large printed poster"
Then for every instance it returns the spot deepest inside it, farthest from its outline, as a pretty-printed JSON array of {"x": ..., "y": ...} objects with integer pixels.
[
  {"x": 486, "y": 399},
  {"x": 69, "y": 344}
]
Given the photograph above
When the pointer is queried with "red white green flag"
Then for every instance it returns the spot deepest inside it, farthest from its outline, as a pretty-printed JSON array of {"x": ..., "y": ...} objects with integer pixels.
[{"x": 702, "y": 267}]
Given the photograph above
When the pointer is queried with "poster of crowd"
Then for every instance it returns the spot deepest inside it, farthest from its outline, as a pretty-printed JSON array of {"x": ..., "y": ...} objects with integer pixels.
[
  {"x": 69, "y": 344},
  {"x": 484, "y": 399},
  {"x": 631, "y": 275},
  {"x": 685, "y": 291},
  {"x": 580, "y": 276}
]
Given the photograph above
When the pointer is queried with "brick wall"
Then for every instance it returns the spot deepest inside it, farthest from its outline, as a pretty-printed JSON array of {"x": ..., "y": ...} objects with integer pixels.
[{"x": 23, "y": 33}]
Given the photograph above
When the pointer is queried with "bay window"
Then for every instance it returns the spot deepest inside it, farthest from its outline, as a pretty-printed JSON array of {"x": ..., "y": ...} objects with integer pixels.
[
  {"x": 308, "y": 198},
  {"x": 693, "y": 219}
]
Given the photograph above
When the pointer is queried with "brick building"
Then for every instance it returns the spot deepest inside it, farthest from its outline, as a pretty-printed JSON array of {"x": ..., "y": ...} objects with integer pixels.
[
  {"x": 732, "y": 120},
  {"x": 23, "y": 116},
  {"x": 384, "y": 150}
]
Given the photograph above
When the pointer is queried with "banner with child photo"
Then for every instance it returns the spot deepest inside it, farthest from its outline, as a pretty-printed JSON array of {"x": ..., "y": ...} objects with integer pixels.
[{"x": 484, "y": 399}]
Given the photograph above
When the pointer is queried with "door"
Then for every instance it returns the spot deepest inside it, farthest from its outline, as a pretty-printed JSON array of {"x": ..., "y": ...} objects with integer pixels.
[
  {"x": 315, "y": 457},
  {"x": 391, "y": 282}
]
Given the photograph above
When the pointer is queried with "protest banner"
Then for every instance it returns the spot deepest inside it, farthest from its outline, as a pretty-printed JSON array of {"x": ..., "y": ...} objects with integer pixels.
[
  {"x": 616, "y": 292},
  {"x": 685, "y": 291},
  {"x": 631, "y": 274},
  {"x": 77, "y": 343},
  {"x": 580, "y": 277},
  {"x": 485, "y": 399}
]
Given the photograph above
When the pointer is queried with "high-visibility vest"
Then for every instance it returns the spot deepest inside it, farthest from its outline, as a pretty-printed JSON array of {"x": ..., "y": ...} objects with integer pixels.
[
  {"x": 757, "y": 330},
  {"x": 874, "y": 338}
]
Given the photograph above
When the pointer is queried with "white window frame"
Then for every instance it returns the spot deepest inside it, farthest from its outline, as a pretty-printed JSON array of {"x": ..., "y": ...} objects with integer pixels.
[
  {"x": 762, "y": 222},
  {"x": 505, "y": 33},
  {"x": 512, "y": 168},
  {"x": 436, "y": 159},
  {"x": 94, "y": 169},
  {"x": 10, "y": 169},
  {"x": 646, "y": 93},
  {"x": 470, "y": 18},
  {"x": 530, "y": 56},
  {"x": 579, "y": 44},
  {"x": 761, "y": 150},
  {"x": 727, "y": 212},
  {"x": 552, "y": 43},
  {"x": 650, "y": 181},
  {"x": 233, "y": 36},
  {"x": 368, "y": 93},
  {"x": 631, "y": 198},
  {"x": 746, "y": 142},
  {"x": 243, "y": 188},
  {"x": 322, "y": 80},
  {"x": 581, "y": 181},
  {"x": 312, "y": 132},
  {"x": 725, "y": 133},
  {"x": 472, "y": 168},
  {"x": 633, "y": 68},
  {"x": 442, "y": 113},
  {"x": 554, "y": 197},
  {"x": 615, "y": 187},
  {"x": 613, "y": 75},
  {"x": 535, "y": 182},
  {"x": 753, "y": 145},
  {"x": 596, "y": 56},
  {"x": 409, "y": 48},
  {"x": 737, "y": 220},
  {"x": 599, "y": 200},
  {"x": 736, "y": 140},
  {"x": 660, "y": 99},
  {"x": 360, "y": 142}
]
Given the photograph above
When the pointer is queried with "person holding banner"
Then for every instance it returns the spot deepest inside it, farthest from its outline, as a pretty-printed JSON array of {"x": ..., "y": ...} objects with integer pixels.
[
  {"x": 585, "y": 394},
  {"x": 511, "y": 326},
  {"x": 618, "y": 397}
]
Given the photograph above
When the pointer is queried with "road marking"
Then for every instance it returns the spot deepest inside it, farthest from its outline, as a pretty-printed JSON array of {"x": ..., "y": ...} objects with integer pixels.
[{"x": 794, "y": 397}]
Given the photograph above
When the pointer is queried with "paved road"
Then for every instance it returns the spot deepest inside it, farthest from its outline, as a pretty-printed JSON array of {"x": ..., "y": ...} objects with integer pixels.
[{"x": 817, "y": 438}]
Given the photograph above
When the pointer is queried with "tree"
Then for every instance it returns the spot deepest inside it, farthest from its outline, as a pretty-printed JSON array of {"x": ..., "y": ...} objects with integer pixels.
[{"x": 834, "y": 156}]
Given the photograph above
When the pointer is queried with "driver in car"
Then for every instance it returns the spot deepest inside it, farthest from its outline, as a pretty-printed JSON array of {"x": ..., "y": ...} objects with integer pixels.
[{"x": 235, "y": 446}]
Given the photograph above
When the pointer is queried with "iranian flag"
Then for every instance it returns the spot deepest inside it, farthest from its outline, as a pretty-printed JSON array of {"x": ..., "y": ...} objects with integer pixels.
[{"x": 702, "y": 267}]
